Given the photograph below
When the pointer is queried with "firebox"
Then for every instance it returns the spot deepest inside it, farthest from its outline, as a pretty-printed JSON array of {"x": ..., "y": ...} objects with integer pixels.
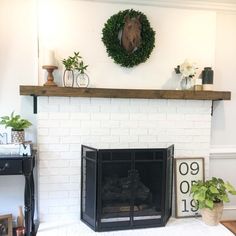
[{"x": 126, "y": 188}]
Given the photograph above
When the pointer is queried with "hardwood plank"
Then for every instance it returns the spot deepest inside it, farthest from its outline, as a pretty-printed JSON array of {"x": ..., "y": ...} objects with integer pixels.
[
  {"x": 230, "y": 224},
  {"x": 124, "y": 93}
]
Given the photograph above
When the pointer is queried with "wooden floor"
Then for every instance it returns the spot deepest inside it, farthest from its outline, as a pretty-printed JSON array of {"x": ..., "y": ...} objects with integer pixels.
[{"x": 230, "y": 224}]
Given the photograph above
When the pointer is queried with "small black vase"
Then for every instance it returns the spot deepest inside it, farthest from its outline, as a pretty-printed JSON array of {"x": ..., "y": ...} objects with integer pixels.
[{"x": 207, "y": 78}]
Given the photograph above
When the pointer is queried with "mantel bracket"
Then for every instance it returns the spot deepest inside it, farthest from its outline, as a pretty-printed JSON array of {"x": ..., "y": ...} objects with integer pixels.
[{"x": 35, "y": 103}]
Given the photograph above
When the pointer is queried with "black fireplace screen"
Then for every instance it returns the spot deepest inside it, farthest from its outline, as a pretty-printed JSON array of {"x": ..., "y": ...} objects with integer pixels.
[{"x": 126, "y": 188}]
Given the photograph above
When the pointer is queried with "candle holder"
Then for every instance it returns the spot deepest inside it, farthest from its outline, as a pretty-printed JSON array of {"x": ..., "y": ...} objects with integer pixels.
[{"x": 50, "y": 78}]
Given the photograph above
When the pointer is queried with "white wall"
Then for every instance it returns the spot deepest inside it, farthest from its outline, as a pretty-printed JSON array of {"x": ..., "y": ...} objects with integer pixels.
[
  {"x": 18, "y": 65},
  {"x": 223, "y": 122},
  {"x": 180, "y": 34}
]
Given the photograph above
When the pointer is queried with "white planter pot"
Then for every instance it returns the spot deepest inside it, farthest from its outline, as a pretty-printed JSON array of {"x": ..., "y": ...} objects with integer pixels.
[{"x": 212, "y": 217}]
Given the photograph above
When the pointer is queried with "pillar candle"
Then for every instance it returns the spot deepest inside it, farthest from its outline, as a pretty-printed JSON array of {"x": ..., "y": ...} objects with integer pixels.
[{"x": 48, "y": 58}]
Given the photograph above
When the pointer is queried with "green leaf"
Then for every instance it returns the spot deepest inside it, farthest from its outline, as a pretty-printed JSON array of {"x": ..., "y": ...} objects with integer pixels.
[
  {"x": 209, "y": 203},
  {"x": 213, "y": 189}
]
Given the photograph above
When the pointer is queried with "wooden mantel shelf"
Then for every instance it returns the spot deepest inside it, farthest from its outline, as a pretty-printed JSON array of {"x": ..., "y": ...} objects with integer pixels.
[
  {"x": 124, "y": 93},
  {"x": 36, "y": 91}
]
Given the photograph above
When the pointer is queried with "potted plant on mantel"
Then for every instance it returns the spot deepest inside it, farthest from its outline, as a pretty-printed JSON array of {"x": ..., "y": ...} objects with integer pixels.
[
  {"x": 18, "y": 125},
  {"x": 210, "y": 196}
]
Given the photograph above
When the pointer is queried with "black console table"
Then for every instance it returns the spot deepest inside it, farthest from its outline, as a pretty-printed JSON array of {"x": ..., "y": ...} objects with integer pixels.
[{"x": 23, "y": 165}]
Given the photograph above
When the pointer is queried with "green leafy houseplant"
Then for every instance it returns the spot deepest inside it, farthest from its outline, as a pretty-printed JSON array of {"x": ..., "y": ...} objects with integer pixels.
[
  {"x": 210, "y": 196},
  {"x": 15, "y": 122},
  {"x": 211, "y": 191}
]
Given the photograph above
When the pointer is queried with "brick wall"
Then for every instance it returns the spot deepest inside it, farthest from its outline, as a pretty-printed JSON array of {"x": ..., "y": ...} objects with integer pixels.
[{"x": 66, "y": 123}]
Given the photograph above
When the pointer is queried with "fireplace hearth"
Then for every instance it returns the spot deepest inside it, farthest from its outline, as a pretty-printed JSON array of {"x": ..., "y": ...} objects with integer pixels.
[{"x": 126, "y": 188}]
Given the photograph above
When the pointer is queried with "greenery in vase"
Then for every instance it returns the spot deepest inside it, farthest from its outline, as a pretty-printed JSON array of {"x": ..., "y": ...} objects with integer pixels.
[
  {"x": 15, "y": 122},
  {"x": 206, "y": 193},
  {"x": 82, "y": 67},
  {"x": 74, "y": 63}
]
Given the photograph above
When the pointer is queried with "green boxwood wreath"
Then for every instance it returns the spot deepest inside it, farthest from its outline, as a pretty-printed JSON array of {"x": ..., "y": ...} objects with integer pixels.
[{"x": 114, "y": 48}]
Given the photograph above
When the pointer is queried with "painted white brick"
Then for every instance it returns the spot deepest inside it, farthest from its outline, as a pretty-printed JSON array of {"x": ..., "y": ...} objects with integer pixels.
[
  {"x": 58, "y": 116},
  {"x": 58, "y": 163},
  {"x": 110, "y": 139},
  {"x": 59, "y": 131},
  {"x": 156, "y": 116},
  {"x": 59, "y": 171},
  {"x": 100, "y": 116},
  {"x": 71, "y": 139},
  {"x": 90, "y": 124},
  {"x": 80, "y": 101},
  {"x": 100, "y": 131},
  {"x": 49, "y": 155},
  {"x": 139, "y": 131},
  {"x": 62, "y": 101},
  {"x": 75, "y": 179},
  {"x": 147, "y": 139},
  {"x": 53, "y": 147},
  {"x": 91, "y": 108},
  {"x": 129, "y": 139},
  {"x": 111, "y": 124},
  {"x": 80, "y": 116},
  {"x": 63, "y": 125},
  {"x": 53, "y": 179},
  {"x": 70, "y": 123},
  {"x": 75, "y": 163},
  {"x": 42, "y": 116},
  {"x": 120, "y": 116},
  {"x": 48, "y": 123},
  {"x": 138, "y": 116},
  {"x": 43, "y": 131},
  {"x": 59, "y": 194},
  {"x": 120, "y": 131},
  {"x": 48, "y": 139},
  {"x": 176, "y": 117},
  {"x": 80, "y": 131}
]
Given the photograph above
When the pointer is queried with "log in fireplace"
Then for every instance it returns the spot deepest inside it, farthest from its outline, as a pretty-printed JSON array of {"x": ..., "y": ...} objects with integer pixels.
[{"x": 126, "y": 188}]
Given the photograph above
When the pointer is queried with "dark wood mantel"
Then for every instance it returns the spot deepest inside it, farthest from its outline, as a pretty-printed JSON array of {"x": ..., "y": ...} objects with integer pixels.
[
  {"x": 124, "y": 93},
  {"x": 36, "y": 91}
]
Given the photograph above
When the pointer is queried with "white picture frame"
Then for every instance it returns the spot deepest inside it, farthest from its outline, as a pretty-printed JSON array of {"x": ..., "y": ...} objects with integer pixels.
[{"x": 187, "y": 172}]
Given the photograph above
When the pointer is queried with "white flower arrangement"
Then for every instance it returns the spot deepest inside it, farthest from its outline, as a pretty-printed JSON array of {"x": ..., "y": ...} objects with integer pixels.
[{"x": 186, "y": 69}]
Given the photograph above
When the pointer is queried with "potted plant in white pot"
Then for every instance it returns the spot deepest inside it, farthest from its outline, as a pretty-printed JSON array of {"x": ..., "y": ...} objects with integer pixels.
[
  {"x": 210, "y": 196},
  {"x": 17, "y": 125}
]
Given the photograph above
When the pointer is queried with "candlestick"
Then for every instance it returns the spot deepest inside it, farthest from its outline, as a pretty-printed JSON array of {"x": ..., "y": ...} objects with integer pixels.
[{"x": 50, "y": 78}]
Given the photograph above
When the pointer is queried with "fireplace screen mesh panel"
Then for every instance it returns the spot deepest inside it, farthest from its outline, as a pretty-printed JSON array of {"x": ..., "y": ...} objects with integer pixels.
[{"x": 126, "y": 188}]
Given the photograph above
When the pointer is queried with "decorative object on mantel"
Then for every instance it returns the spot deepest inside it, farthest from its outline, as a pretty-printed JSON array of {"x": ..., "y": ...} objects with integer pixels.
[
  {"x": 128, "y": 37},
  {"x": 187, "y": 171},
  {"x": 82, "y": 78},
  {"x": 210, "y": 196},
  {"x": 187, "y": 71},
  {"x": 75, "y": 64},
  {"x": 207, "y": 78},
  {"x": 18, "y": 125},
  {"x": 49, "y": 66}
]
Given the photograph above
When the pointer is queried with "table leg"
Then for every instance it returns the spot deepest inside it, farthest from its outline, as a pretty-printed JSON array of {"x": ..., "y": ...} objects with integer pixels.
[
  {"x": 28, "y": 205},
  {"x": 32, "y": 203}
]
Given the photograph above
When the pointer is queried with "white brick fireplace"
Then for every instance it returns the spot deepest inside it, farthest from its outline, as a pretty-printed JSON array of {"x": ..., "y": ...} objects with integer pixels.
[{"x": 65, "y": 123}]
